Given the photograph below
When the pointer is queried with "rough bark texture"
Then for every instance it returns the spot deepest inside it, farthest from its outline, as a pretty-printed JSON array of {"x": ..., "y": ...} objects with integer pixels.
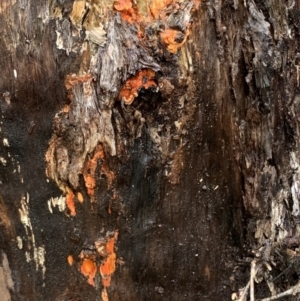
[{"x": 147, "y": 148}]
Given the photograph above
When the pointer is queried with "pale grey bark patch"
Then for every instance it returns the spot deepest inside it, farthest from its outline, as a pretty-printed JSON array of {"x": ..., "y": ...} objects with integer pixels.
[{"x": 6, "y": 281}]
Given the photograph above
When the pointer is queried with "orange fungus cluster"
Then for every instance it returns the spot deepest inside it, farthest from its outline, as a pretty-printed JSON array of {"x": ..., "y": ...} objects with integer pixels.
[
  {"x": 73, "y": 79},
  {"x": 173, "y": 39},
  {"x": 89, "y": 170},
  {"x": 108, "y": 266},
  {"x": 143, "y": 79},
  {"x": 89, "y": 267},
  {"x": 157, "y": 6},
  {"x": 127, "y": 10}
]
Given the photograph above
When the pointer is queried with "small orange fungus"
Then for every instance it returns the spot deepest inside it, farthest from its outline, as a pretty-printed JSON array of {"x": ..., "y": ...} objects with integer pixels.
[
  {"x": 73, "y": 79},
  {"x": 123, "y": 5},
  {"x": 143, "y": 79},
  {"x": 70, "y": 260},
  {"x": 173, "y": 39},
  {"x": 70, "y": 201},
  {"x": 110, "y": 245},
  {"x": 88, "y": 269},
  {"x": 127, "y": 10},
  {"x": 104, "y": 295},
  {"x": 90, "y": 169},
  {"x": 107, "y": 268},
  {"x": 66, "y": 109},
  {"x": 80, "y": 197},
  {"x": 157, "y": 6}
]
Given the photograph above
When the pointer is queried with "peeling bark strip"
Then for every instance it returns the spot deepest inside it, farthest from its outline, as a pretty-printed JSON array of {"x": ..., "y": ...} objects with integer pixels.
[{"x": 32, "y": 251}]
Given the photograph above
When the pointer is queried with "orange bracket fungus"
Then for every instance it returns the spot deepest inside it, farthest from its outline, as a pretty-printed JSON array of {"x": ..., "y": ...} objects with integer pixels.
[{"x": 143, "y": 79}]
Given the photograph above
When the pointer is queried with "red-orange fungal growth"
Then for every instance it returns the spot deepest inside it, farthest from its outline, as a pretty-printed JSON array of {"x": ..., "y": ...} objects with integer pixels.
[
  {"x": 123, "y": 5},
  {"x": 70, "y": 260},
  {"x": 89, "y": 269},
  {"x": 73, "y": 79},
  {"x": 66, "y": 109},
  {"x": 157, "y": 6},
  {"x": 174, "y": 39},
  {"x": 80, "y": 197},
  {"x": 110, "y": 245},
  {"x": 89, "y": 169},
  {"x": 108, "y": 267},
  {"x": 143, "y": 79},
  {"x": 127, "y": 10},
  {"x": 70, "y": 201}
]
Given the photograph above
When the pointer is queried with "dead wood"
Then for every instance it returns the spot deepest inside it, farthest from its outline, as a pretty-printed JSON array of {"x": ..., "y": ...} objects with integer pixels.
[{"x": 148, "y": 148}]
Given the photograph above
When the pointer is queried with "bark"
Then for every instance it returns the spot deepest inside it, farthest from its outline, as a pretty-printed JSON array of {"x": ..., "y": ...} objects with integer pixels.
[{"x": 149, "y": 149}]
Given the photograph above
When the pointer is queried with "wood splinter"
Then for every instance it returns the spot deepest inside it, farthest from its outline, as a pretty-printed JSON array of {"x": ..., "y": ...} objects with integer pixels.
[
  {"x": 250, "y": 284},
  {"x": 292, "y": 291}
]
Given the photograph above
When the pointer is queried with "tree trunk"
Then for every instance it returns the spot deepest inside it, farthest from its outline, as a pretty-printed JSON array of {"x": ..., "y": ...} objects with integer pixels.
[{"x": 149, "y": 149}]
